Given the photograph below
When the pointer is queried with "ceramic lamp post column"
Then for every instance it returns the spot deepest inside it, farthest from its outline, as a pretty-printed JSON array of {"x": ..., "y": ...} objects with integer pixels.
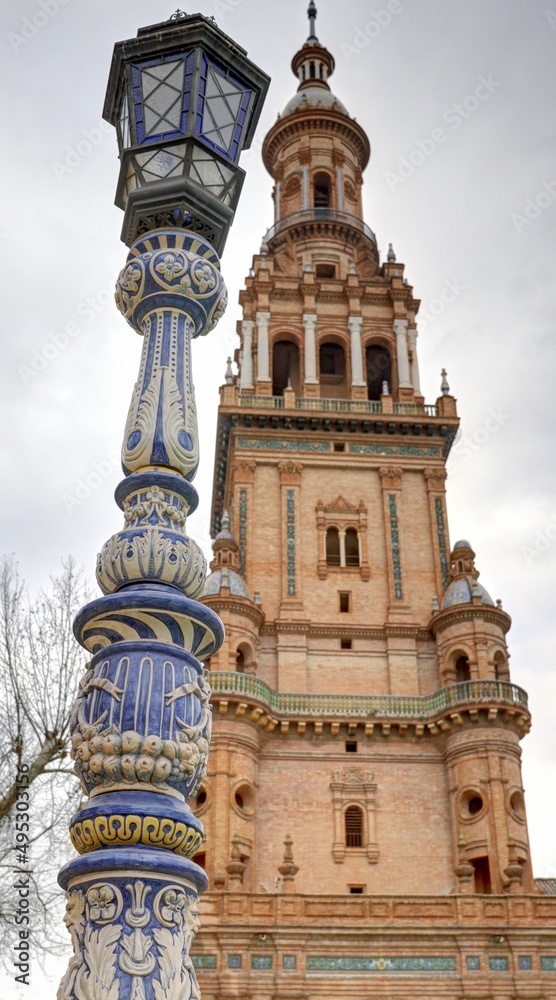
[{"x": 141, "y": 725}]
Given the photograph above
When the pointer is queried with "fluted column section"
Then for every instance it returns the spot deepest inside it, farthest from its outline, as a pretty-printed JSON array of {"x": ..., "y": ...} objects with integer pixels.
[
  {"x": 263, "y": 365},
  {"x": 355, "y": 323},
  {"x": 400, "y": 330},
  {"x": 415, "y": 374},
  {"x": 309, "y": 327},
  {"x": 141, "y": 723},
  {"x": 246, "y": 374}
]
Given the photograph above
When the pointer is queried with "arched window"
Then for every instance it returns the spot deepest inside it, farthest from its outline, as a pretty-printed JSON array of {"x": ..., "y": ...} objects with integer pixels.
[
  {"x": 379, "y": 369},
  {"x": 240, "y": 661},
  {"x": 285, "y": 366},
  {"x": 500, "y": 667},
  {"x": 354, "y": 826},
  {"x": 462, "y": 670},
  {"x": 321, "y": 188},
  {"x": 332, "y": 362},
  {"x": 333, "y": 547},
  {"x": 352, "y": 547},
  {"x": 311, "y": 69}
]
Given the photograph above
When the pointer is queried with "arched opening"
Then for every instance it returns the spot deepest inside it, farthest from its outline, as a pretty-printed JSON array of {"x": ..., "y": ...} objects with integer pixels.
[
  {"x": 352, "y": 547},
  {"x": 500, "y": 667},
  {"x": 463, "y": 673},
  {"x": 379, "y": 369},
  {"x": 321, "y": 71},
  {"x": 333, "y": 547},
  {"x": 285, "y": 366},
  {"x": 354, "y": 826},
  {"x": 321, "y": 191},
  {"x": 245, "y": 659},
  {"x": 311, "y": 69}
]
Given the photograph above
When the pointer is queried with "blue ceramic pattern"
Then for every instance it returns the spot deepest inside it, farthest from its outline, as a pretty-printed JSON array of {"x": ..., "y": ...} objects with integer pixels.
[
  {"x": 473, "y": 963},
  {"x": 261, "y": 962},
  {"x": 242, "y": 532},
  {"x": 524, "y": 963},
  {"x": 290, "y": 541},
  {"x": 442, "y": 547},
  {"x": 234, "y": 961},
  {"x": 548, "y": 964},
  {"x": 395, "y": 546},
  {"x": 337, "y": 964},
  {"x": 498, "y": 963}
]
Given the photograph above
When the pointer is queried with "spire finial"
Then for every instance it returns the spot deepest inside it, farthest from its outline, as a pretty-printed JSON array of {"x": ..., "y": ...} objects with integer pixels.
[
  {"x": 312, "y": 15},
  {"x": 444, "y": 387},
  {"x": 391, "y": 254}
]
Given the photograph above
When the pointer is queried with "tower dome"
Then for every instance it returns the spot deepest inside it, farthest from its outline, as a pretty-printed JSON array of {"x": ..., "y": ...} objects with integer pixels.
[
  {"x": 464, "y": 586},
  {"x": 225, "y": 565}
]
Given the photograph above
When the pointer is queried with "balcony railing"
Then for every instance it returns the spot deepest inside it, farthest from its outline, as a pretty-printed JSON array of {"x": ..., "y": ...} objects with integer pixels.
[
  {"x": 418, "y": 708},
  {"x": 310, "y": 215},
  {"x": 337, "y": 405}
]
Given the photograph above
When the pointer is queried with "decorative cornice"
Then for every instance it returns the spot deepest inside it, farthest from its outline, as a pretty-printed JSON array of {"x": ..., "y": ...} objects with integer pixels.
[{"x": 467, "y": 612}]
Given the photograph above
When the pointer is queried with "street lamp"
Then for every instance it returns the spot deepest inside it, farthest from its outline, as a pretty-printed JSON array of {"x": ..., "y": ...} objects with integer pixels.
[{"x": 185, "y": 100}]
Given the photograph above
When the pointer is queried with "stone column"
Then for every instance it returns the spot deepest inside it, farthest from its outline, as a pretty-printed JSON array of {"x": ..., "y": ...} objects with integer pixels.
[
  {"x": 340, "y": 186},
  {"x": 355, "y": 323},
  {"x": 263, "y": 320},
  {"x": 141, "y": 723},
  {"x": 246, "y": 374},
  {"x": 400, "y": 330},
  {"x": 309, "y": 326},
  {"x": 415, "y": 376},
  {"x": 305, "y": 184}
]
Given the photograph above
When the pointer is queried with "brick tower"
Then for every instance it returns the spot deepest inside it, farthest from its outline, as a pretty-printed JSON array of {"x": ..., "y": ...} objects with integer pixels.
[{"x": 365, "y": 827}]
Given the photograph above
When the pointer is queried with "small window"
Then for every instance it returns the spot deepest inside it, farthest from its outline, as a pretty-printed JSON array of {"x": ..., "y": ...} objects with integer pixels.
[
  {"x": 325, "y": 271},
  {"x": 354, "y": 827},
  {"x": 357, "y": 890},
  {"x": 346, "y": 643},
  {"x": 351, "y": 746},
  {"x": 333, "y": 547},
  {"x": 352, "y": 547},
  {"x": 338, "y": 446},
  {"x": 344, "y": 598}
]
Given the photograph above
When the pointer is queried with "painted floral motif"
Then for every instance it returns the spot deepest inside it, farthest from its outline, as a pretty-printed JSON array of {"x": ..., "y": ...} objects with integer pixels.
[
  {"x": 170, "y": 267},
  {"x": 175, "y": 904},
  {"x": 101, "y": 903}
]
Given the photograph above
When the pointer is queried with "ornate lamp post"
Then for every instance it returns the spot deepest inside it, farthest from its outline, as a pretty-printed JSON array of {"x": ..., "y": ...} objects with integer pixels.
[{"x": 185, "y": 100}]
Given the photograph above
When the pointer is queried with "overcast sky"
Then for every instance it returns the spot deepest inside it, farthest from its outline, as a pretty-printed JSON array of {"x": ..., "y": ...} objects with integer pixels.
[{"x": 468, "y": 88}]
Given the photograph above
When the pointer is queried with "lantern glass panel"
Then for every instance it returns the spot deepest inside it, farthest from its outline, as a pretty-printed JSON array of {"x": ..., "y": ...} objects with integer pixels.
[
  {"x": 214, "y": 176},
  {"x": 162, "y": 88},
  {"x": 221, "y": 109},
  {"x": 124, "y": 134},
  {"x": 151, "y": 165}
]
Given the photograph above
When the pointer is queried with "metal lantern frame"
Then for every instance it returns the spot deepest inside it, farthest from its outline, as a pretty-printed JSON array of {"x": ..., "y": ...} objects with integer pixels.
[{"x": 185, "y": 101}]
